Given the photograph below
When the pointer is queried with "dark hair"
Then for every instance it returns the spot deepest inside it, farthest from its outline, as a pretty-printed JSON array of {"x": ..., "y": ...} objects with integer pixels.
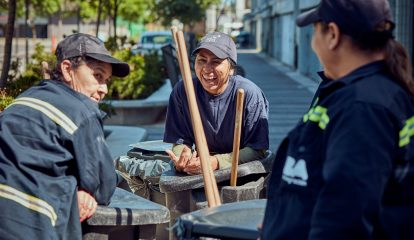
[
  {"x": 75, "y": 62},
  {"x": 396, "y": 59}
]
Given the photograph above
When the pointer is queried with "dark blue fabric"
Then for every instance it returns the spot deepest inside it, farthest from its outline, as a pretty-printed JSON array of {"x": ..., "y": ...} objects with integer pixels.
[
  {"x": 359, "y": 184},
  {"x": 218, "y": 116},
  {"x": 38, "y": 157}
]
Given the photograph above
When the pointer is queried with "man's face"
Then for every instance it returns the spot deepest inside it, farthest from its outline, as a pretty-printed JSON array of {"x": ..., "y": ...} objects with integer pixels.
[
  {"x": 91, "y": 79},
  {"x": 212, "y": 72}
]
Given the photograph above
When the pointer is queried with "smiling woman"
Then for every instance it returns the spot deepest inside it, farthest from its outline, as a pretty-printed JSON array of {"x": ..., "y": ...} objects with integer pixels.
[{"x": 216, "y": 86}]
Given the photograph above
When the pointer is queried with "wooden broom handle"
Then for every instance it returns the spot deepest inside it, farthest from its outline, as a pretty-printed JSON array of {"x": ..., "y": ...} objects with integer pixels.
[
  {"x": 210, "y": 185},
  {"x": 236, "y": 139}
]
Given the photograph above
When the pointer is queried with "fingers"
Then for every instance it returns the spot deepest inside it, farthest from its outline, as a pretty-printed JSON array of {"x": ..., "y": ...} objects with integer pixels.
[
  {"x": 87, "y": 205},
  {"x": 172, "y": 155},
  {"x": 184, "y": 158},
  {"x": 193, "y": 167}
]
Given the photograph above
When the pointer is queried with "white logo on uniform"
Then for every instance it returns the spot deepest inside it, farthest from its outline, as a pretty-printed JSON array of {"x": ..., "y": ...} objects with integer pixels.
[{"x": 294, "y": 172}]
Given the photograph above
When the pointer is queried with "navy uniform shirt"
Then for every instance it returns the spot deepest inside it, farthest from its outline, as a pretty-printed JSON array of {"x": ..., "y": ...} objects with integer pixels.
[
  {"x": 51, "y": 144},
  {"x": 218, "y": 114},
  {"x": 346, "y": 170}
]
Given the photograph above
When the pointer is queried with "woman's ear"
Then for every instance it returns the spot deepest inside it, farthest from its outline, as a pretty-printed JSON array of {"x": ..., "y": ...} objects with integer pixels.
[
  {"x": 334, "y": 35},
  {"x": 66, "y": 68}
]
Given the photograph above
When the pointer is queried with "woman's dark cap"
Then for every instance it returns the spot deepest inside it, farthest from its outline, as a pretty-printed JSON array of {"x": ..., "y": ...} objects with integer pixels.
[
  {"x": 220, "y": 44},
  {"x": 84, "y": 45},
  {"x": 353, "y": 17}
]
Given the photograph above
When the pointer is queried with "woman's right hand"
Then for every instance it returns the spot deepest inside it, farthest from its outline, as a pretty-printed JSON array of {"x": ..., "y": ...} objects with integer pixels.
[{"x": 185, "y": 158}]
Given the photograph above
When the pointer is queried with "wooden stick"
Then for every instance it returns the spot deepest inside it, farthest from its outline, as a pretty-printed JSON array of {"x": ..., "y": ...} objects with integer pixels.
[
  {"x": 174, "y": 33},
  {"x": 210, "y": 185},
  {"x": 236, "y": 139}
]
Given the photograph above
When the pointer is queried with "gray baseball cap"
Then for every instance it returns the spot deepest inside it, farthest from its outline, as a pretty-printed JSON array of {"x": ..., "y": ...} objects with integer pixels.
[
  {"x": 80, "y": 44},
  {"x": 354, "y": 17},
  {"x": 220, "y": 44}
]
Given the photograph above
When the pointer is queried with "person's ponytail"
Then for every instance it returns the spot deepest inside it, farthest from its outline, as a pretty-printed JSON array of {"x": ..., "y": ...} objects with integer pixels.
[{"x": 398, "y": 65}]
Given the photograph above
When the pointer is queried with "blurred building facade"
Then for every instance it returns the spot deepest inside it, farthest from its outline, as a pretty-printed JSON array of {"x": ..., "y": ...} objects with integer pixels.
[{"x": 271, "y": 24}]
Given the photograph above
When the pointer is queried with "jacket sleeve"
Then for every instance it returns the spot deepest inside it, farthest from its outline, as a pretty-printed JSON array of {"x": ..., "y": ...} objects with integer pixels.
[
  {"x": 359, "y": 146},
  {"x": 95, "y": 167},
  {"x": 255, "y": 133},
  {"x": 178, "y": 126}
]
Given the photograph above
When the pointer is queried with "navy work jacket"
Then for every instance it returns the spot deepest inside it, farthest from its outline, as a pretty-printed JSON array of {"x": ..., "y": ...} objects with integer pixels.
[
  {"x": 51, "y": 144},
  {"x": 346, "y": 171},
  {"x": 218, "y": 113}
]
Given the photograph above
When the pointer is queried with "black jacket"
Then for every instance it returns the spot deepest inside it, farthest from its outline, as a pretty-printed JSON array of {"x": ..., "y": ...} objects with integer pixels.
[
  {"x": 346, "y": 171},
  {"x": 51, "y": 144}
]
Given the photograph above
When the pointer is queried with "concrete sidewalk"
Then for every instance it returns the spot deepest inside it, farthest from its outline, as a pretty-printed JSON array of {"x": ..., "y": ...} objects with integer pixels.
[{"x": 289, "y": 93}]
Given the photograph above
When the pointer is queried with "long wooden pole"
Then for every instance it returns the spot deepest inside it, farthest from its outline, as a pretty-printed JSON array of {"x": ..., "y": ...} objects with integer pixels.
[
  {"x": 174, "y": 33},
  {"x": 210, "y": 185},
  {"x": 236, "y": 139}
]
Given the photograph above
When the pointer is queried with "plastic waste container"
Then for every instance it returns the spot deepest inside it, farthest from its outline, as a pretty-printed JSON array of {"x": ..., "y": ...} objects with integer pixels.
[
  {"x": 141, "y": 168},
  {"x": 128, "y": 216},
  {"x": 238, "y": 220},
  {"x": 185, "y": 193}
]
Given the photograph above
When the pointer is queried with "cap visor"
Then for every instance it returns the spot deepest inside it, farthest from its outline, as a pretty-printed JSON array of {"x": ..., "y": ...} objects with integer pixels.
[
  {"x": 307, "y": 18},
  {"x": 119, "y": 68},
  {"x": 215, "y": 50}
]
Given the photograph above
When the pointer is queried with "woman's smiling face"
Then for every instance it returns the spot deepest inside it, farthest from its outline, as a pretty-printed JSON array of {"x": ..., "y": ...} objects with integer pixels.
[{"x": 212, "y": 72}]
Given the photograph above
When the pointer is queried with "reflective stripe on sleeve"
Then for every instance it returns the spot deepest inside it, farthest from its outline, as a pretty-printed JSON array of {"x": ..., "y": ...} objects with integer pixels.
[
  {"x": 406, "y": 132},
  {"x": 28, "y": 201},
  {"x": 49, "y": 110},
  {"x": 318, "y": 115}
]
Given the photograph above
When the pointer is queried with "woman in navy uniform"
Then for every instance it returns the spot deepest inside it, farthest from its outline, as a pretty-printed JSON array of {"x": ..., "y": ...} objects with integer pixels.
[
  {"x": 346, "y": 171},
  {"x": 55, "y": 166},
  {"x": 215, "y": 88}
]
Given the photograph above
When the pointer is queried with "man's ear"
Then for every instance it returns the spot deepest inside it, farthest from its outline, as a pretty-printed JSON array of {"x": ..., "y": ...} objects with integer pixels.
[
  {"x": 66, "y": 68},
  {"x": 334, "y": 36}
]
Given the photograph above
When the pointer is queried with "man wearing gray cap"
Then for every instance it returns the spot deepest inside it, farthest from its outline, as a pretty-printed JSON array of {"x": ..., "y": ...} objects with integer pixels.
[
  {"x": 55, "y": 164},
  {"x": 346, "y": 171},
  {"x": 216, "y": 87}
]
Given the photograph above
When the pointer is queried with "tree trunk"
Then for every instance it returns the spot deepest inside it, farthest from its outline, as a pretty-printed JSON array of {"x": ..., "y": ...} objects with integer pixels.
[
  {"x": 26, "y": 31},
  {"x": 78, "y": 20},
  {"x": 8, "y": 43},
  {"x": 98, "y": 20},
  {"x": 115, "y": 16}
]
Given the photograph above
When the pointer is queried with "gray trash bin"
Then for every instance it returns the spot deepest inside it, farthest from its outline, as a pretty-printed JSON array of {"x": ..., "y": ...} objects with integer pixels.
[
  {"x": 185, "y": 193},
  {"x": 150, "y": 158},
  {"x": 238, "y": 220},
  {"x": 127, "y": 217}
]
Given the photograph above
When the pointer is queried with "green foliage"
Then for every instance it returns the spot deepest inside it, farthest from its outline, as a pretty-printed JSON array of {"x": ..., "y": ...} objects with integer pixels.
[
  {"x": 5, "y": 99},
  {"x": 186, "y": 11},
  {"x": 146, "y": 76},
  {"x": 42, "y": 8},
  {"x": 18, "y": 82},
  {"x": 136, "y": 10},
  {"x": 40, "y": 55}
]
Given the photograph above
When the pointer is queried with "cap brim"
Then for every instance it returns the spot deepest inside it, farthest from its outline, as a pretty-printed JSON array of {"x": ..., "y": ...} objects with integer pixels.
[
  {"x": 119, "y": 68},
  {"x": 308, "y": 17},
  {"x": 215, "y": 50}
]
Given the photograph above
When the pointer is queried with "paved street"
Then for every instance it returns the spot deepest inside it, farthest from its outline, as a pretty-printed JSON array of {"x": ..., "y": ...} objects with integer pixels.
[
  {"x": 288, "y": 98},
  {"x": 289, "y": 95}
]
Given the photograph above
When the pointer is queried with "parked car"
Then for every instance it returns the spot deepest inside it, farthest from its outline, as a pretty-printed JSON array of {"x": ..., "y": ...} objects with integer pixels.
[
  {"x": 152, "y": 41},
  {"x": 243, "y": 40}
]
